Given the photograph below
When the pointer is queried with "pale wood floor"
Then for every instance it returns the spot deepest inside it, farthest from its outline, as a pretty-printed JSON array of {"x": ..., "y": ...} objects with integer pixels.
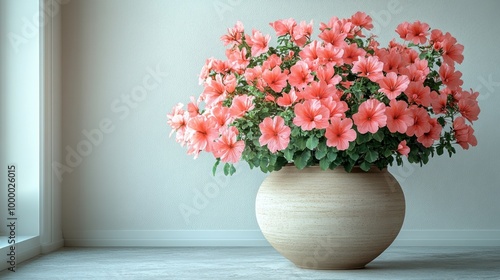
[{"x": 253, "y": 263}]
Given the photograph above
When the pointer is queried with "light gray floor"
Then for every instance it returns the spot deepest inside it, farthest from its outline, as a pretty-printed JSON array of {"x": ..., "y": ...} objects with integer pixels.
[{"x": 253, "y": 263}]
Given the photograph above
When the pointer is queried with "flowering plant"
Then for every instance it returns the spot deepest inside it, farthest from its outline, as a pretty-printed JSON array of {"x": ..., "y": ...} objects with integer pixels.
[{"x": 341, "y": 100}]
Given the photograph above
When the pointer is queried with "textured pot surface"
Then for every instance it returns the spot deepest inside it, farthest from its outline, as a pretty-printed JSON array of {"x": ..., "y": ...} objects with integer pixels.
[{"x": 330, "y": 219}]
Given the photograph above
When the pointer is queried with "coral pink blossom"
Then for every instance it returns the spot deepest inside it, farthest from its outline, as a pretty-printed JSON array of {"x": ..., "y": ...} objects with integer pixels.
[
  {"x": 403, "y": 149},
  {"x": 300, "y": 75},
  {"x": 421, "y": 122},
  {"x": 215, "y": 91},
  {"x": 193, "y": 107},
  {"x": 311, "y": 114},
  {"x": 234, "y": 35},
  {"x": 337, "y": 108},
  {"x": 362, "y": 20},
  {"x": 369, "y": 67},
  {"x": 334, "y": 36},
  {"x": 392, "y": 60},
  {"x": 352, "y": 52},
  {"x": 227, "y": 147},
  {"x": 241, "y": 104},
  {"x": 393, "y": 85},
  {"x": 399, "y": 117},
  {"x": 204, "y": 131},
  {"x": 450, "y": 77},
  {"x": 275, "y": 79},
  {"x": 428, "y": 138},
  {"x": 283, "y": 26},
  {"x": 275, "y": 134},
  {"x": 439, "y": 102},
  {"x": 221, "y": 115},
  {"x": 258, "y": 42},
  {"x": 319, "y": 90},
  {"x": 178, "y": 121},
  {"x": 339, "y": 133},
  {"x": 419, "y": 94},
  {"x": 327, "y": 74},
  {"x": 272, "y": 61},
  {"x": 288, "y": 99},
  {"x": 330, "y": 55},
  {"x": 464, "y": 133},
  {"x": 417, "y": 32},
  {"x": 469, "y": 109},
  {"x": 301, "y": 33},
  {"x": 370, "y": 116},
  {"x": 403, "y": 29}
]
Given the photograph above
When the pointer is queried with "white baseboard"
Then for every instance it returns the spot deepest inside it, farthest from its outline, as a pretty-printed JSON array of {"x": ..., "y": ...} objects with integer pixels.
[
  {"x": 187, "y": 238},
  {"x": 26, "y": 248},
  {"x": 51, "y": 247}
]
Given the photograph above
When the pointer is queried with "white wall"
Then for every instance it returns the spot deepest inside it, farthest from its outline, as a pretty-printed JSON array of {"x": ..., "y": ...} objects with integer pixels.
[{"x": 124, "y": 184}]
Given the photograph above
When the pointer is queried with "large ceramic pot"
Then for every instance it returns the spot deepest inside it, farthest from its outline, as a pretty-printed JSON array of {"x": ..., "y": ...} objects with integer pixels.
[{"x": 330, "y": 219}]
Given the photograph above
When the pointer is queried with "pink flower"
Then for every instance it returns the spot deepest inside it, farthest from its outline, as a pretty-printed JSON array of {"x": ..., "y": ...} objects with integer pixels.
[
  {"x": 275, "y": 79},
  {"x": 393, "y": 85},
  {"x": 221, "y": 115},
  {"x": 204, "y": 131},
  {"x": 352, "y": 52},
  {"x": 439, "y": 102},
  {"x": 417, "y": 32},
  {"x": 215, "y": 90},
  {"x": 449, "y": 77},
  {"x": 233, "y": 35},
  {"x": 258, "y": 42},
  {"x": 419, "y": 94},
  {"x": 399, "y": 117},
  {"x": 275, "y": 134},
  {"x": 339, "y": 133},
  {"x": 319, "y": 90},
  {"x": 327, "y": 74},
  {"x": 370, "y": 116},
  {"x": 428, "y": 138},
  {"x": 468, "y": 105},
  {"x": 464, "y": 133},
  {"x": 311, "y": 114},
  {"x": 421, "y": 122},
  {"x": 283, "y": 26},
  {"x": 330, "y": 55},
  {"x": 362, "y": 20},
  {"x": 301, "y": 33},
  {"x": 227, "y": 148},
  {"x": 403, "y": 149},
  {"x": 300, "y": 75},
  {"x": 241, "y": 105},
  {"x": 369, "y": 67},
  {"x": 288, "y": 99},
  {"x": 403, "y": 29},
  {"x": 335, "y": 35},
  {"x": 337, "y": 108},
  {"x": 178, "y": 122}
]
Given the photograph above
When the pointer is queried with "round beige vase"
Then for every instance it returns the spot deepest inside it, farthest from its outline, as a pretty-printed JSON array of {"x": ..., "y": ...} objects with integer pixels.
[{"x": 330, "y": 219}]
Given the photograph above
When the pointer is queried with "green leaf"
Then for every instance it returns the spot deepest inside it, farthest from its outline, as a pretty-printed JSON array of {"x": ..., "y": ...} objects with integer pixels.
[
  {"x": 288, "y": 154},
  {"x": 321, "y": 151},
  {"x": 332, "y": 155},
  {"x": 354, "y": 156},
  {"x": 312, "y": 142},
  {"x": 365, "y": 166},
  {"x": 229, "y": 169},
  {"x": 324, "y": 163},
  {"x": 371, "y": 156},
  {"x": 302, "y": 159},
  {"x": 216, "y": 164},
  {"x": 379, "y": 135},
  {"x": 363, "y": 138}
]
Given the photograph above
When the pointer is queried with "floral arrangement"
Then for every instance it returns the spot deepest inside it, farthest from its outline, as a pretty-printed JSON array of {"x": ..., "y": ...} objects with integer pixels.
[{"x": 340, "y": 100}]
